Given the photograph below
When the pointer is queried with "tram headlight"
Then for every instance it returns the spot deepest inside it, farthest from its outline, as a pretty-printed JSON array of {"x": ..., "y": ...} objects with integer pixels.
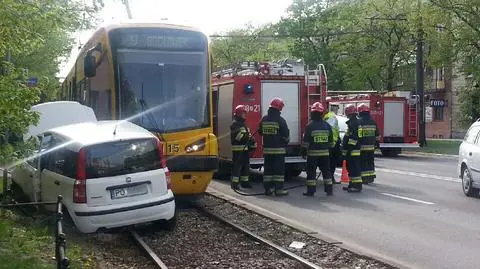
[{"x": 196, "y": 146}]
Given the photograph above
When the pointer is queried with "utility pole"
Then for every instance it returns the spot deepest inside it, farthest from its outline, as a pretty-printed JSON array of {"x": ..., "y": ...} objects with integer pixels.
[
  {"x": 420, "y": 78},
  {"x": 127, "y": 6}
]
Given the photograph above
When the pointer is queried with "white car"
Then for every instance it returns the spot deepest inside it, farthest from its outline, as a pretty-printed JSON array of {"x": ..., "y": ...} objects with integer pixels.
[
  {"x": 469, "y": 161},
  {"x": 110, "y": 174}
]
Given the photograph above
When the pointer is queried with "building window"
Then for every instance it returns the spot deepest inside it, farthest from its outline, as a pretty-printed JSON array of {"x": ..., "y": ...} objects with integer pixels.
[{"x": 438, "y": 113}]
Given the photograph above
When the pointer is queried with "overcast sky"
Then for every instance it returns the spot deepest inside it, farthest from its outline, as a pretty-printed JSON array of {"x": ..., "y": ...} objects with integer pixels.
[{"x": 209, "y": 15}]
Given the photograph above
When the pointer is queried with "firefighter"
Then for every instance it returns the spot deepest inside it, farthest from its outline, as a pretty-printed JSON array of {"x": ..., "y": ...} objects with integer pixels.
[
  {"x": 275, "y": 133},
  {"x": 317, "y": 142},
  {"x": 335, "y": 152},
  {"x": 351, "y": 149},
  {"x": 368, "y": 135},
  {"x": 241, "y": 144}
]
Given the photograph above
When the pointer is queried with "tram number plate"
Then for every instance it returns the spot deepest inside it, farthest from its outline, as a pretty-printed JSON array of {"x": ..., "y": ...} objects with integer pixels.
[{"x": 128, "y": 191}]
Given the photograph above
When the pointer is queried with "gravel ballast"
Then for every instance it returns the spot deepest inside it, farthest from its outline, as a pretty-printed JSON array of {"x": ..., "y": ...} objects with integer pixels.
[
  {"x": 202, "y": 242},
  {"x": 315, "y": 250}
]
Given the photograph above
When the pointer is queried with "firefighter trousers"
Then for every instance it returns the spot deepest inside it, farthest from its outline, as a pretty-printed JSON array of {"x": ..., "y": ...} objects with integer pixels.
[
  {"x": 240, "y": 167},
  {"x": 323, "y": 163},
  {"x": 354, "y": 169},
  {"x": 273, "y": 172},
  {"x": 335, "y": 155},
  {"x": 367, "y": 158}
]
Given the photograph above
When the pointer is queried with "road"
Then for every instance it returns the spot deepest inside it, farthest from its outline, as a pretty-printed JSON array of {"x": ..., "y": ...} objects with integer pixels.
[{"x": 414, "y": 214}]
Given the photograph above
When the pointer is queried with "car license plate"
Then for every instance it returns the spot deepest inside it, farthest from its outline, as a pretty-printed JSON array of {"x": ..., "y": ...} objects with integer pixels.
[{"x": 129, "y": 191}]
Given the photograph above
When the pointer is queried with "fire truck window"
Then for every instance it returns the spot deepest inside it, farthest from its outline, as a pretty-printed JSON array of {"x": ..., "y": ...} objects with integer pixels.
[{"x": 164, "y": 90}]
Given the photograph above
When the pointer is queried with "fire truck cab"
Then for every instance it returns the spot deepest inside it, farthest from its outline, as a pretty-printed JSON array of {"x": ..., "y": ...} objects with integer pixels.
[
  {"x": 396, "y": 117},
  {"x": 255, "y": 84}
]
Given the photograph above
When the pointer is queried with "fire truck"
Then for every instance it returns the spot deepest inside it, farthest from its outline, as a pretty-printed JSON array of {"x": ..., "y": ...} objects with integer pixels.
[
  {"x": 255, "y": 84},
  {"x": 395, "y": 114}
]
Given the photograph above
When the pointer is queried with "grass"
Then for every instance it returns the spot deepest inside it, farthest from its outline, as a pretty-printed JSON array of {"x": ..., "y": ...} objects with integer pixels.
[
  {"x": 27, "y": 243},
  {"x": 439, "y": 146}
]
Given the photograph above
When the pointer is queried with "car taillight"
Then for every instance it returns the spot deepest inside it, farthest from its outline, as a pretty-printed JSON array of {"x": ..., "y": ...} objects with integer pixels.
[
  {"x": 163, "y": 161},
  {"x": 80, "y": 184},
  {"x": 169, "y": 180}
]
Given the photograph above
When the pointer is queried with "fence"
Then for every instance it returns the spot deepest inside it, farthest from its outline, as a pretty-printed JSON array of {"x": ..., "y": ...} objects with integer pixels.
[{"x": 60, "y": 238}]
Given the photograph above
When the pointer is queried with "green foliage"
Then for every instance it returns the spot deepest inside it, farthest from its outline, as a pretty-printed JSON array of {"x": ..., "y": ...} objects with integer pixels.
[
  {"x": 33, "y": 37},
  {"x": 464, "y": 33},
  {"x": 247, "y": 44}
]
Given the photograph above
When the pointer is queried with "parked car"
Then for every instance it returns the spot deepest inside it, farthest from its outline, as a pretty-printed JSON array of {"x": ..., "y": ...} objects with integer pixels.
[
  {"x": 110, "y": 174},
  {"x": 468, "y": 167}
]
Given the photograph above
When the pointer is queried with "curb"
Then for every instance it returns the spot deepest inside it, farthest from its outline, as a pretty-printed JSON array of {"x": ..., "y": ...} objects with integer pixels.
[
  {"x": 321, "y": 235},
  {"x": 413, "y": 153}
]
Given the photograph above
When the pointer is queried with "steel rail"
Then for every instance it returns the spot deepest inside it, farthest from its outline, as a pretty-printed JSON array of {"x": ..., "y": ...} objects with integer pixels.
[
  {"x": 148, "y": 250},
  {"x": 258, "y": 238}
]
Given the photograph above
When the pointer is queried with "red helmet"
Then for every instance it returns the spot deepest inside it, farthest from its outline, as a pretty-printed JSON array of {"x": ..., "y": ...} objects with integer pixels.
[
  {"x": 277, "y": 103},
  {"x": 350, "y": 109},
  {"x": 317, "y": 107},
  {"x": 363, "y": 108},
  {"x": 239, "y": 110}
]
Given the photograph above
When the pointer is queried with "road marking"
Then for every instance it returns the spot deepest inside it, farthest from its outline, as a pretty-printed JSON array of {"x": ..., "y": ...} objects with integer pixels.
[
  {"x": 406, "y": 173},
  {"x": 407, "y": 198}
]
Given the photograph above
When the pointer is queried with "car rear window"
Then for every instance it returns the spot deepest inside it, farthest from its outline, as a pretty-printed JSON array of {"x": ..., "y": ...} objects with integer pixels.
[{"x": 122, "y": 157}]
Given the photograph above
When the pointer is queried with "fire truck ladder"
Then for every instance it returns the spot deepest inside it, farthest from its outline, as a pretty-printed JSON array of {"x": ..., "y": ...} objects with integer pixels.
[
  {"x": 412, "y": 119},
  {"x": 314, "y": 78}
]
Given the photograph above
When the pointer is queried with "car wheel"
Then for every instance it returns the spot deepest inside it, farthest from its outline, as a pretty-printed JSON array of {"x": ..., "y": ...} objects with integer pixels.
[{"x": 467, "y": 181}]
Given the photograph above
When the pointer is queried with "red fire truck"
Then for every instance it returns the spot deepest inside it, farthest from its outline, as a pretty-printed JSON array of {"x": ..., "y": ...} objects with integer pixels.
[
  {"x": 396, "y": 117},
  {"x": 254, "y": 84}
]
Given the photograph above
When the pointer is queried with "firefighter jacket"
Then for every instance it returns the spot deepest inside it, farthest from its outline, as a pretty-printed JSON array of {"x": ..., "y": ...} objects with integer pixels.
[
  {"x": 240, "y": 136},
  {"x": 367, "y": 132},
  {"x": 318, "y": 138},
  {"x": 331, "y": 118},
  {"x": 275, "y": 132},
  {"x": 350, "y": 139}
]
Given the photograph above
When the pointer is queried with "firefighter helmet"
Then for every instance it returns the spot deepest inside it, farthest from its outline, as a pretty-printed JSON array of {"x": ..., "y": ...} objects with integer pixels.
[
  {"x": 350, "y": 109},
  {"x": 277, "y": 103},
  {"x": 317, "y": 107},
  {"x": 239, "y": 110},
  {"x": 363, "y": 108}
]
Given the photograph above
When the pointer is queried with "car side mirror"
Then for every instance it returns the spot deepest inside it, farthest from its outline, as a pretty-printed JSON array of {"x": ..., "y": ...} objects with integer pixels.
[{"x": 90, "y": 66}]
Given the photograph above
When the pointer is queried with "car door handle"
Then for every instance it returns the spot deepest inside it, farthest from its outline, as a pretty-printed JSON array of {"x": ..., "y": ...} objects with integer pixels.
[
  {"x": 470, "y": 154},
  {"x": 56, "y": 182}
]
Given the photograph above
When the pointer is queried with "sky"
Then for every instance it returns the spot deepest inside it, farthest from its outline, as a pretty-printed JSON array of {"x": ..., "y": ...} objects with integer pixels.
[{"x": 209, "y": 15}]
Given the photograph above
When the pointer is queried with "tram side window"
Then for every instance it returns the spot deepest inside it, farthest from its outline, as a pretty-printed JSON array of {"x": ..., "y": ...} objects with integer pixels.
[{"x": 100, "y": 91}]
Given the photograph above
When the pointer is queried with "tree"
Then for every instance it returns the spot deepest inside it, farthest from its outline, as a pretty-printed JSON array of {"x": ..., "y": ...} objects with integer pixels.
[
  {"x": 247, "y": 44},
  {"x": 465, "y": 31},
  {"x": 34, "y": 35}
]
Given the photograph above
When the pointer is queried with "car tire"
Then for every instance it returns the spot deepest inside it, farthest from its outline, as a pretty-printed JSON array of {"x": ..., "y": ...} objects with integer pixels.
[{"x": 467, "y": 181}]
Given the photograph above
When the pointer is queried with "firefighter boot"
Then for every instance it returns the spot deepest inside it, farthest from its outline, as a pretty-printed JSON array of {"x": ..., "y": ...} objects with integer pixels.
[
  {"x": 245, "y": 183},
  {"x": 328, "y": 189},
  {"x": 311, "y": 187},
  {"x": 234, "y": 186},
  {"x": 281, "y": 192}
]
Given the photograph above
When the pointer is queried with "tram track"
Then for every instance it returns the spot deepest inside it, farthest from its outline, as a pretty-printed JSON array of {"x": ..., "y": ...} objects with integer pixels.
[{"x": 149, "y": 250}]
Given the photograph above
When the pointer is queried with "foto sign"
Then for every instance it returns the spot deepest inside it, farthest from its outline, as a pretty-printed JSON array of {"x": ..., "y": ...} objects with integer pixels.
[{"x": 438, "y": 103}]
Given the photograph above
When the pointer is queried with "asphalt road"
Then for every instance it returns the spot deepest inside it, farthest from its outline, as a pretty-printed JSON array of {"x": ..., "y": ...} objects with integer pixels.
[{"x": 415, "y": 213}]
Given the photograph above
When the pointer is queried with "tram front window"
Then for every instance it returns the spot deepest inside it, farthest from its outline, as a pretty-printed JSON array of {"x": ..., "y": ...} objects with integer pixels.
[{"x": 163, "y": 91}]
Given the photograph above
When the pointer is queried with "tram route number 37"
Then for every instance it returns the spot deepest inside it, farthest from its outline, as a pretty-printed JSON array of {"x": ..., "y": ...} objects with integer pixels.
[{"x": 252, "y": 108}]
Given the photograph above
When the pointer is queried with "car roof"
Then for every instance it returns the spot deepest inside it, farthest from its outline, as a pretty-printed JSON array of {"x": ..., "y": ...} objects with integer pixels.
[
  {"x": 55, "y": 114},
  {"x": 90, "y": 133}
]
